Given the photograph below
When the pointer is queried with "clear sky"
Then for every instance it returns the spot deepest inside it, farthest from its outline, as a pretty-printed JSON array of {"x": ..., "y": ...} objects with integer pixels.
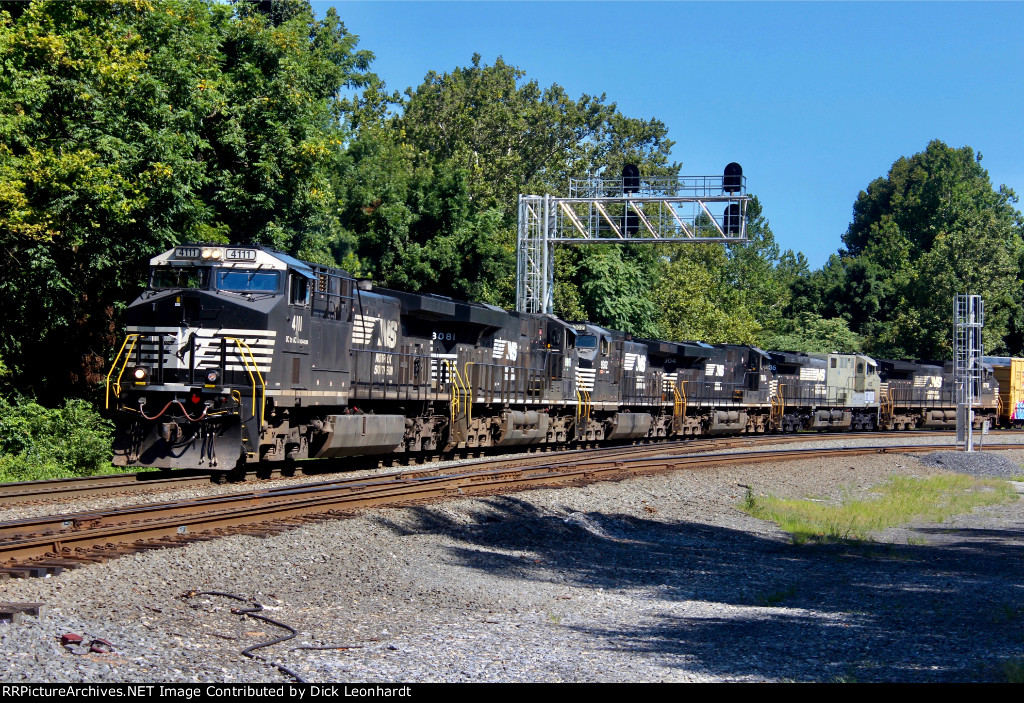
[{"x": 815, "y": 100}]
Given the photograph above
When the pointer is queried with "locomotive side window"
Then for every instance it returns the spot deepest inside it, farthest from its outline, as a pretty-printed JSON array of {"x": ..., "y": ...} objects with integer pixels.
[
  {"x": 241, "y": 281},
  {"x": 299, "y": 290},
  {"x": 180, "y": 277},
  {"x": 604, "y": 346}
]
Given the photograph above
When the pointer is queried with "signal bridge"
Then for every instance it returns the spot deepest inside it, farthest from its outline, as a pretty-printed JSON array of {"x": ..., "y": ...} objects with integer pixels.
[{"x": 619, "y": 211}]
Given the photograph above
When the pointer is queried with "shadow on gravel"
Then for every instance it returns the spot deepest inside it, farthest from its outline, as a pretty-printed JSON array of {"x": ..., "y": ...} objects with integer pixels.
[{"x": 739, "y": 605}]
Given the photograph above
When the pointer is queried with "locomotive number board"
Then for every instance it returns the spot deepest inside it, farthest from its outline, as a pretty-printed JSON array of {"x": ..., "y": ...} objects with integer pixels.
[{"x": 228, "y": 254}]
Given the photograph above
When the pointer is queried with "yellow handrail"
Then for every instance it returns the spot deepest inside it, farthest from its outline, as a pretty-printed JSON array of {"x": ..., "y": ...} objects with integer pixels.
[
  {"x": 579, "y": 410},
  {"x": 244, "y": 349},
  {"x": 582, "y": 410},
  {"x": 134, "y": 337},
  {"x": 452, "y": 387},
  {"x": 778, "y": 402},
  {"x": 469, "y": 393}
]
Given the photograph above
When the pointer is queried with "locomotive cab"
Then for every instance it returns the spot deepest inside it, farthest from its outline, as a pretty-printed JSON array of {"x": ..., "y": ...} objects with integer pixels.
[{"x": 220, "y": 337}]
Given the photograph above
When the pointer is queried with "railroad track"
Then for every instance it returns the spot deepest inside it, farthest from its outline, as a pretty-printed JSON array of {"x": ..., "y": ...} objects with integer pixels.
[
  {"x": 47, "y": 545},
  {"x": 156, "y": 481}
]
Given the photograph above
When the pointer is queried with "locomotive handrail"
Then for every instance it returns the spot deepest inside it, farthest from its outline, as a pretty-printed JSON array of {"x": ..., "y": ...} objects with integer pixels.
[
  {"x": 243, "y": 348},
  {"x": 469, "y": 393},
  {"x": 885, "y": 404},
  {"x": 778, "y": 401},
  {"x": 134, "y": 337},
  {"x": 453, "y": 384},
  {"x": 582, "y": 409}
]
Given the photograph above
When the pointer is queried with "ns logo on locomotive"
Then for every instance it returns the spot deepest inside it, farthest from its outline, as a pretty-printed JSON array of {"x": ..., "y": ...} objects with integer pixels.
[{"x": 245, "y": 354}]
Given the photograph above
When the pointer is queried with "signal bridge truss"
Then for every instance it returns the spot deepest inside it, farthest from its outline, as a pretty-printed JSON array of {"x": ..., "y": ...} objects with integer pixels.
[{"x": 603, "y": 211}]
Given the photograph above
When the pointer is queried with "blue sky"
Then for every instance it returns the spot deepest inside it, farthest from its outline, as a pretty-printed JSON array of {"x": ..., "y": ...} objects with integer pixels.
[{"x": 815, "y": 100}]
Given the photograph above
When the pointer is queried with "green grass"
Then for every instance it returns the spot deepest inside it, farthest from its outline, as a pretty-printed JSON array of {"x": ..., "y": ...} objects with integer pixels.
[
  {"x": 775, "y": 597},
  {"x": 14, "y": 469},
  {"x": 1013, "y": 670},
  {"x": 897, "y": 501}
]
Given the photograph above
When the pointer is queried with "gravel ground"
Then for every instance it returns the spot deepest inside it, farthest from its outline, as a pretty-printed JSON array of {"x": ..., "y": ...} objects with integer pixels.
[{"x": 652, "y": 579}]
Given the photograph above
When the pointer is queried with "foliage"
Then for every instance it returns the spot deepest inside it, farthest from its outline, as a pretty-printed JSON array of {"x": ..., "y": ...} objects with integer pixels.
[
  {"x": 1013, "y": 670},
  {"x": 431, "y": 195},
  {"x": 414, "y": 226},
  {"x": 809, "y": 332},
  {"x": 698, "y": 301},
  {"x": 732, "y": 295},
  {"x": 933, "y": 228},
  {"x": 897, "y": 501},
  {"x": 38, "y": 442},
  {"x": 128, "y": 127}
]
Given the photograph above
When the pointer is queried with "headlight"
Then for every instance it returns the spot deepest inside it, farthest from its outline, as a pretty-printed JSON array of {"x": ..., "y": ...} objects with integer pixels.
[
  {"x": 140, "y": 374},
  {"x": 212, "y": 377}
]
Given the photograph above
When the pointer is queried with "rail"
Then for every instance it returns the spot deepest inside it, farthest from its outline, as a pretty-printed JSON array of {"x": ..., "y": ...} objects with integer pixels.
[{"x": 63, "y": 540}]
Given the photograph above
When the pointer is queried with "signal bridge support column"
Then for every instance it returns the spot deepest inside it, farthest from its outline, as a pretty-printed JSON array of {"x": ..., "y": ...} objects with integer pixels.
[{"x": 968, "y": 350}]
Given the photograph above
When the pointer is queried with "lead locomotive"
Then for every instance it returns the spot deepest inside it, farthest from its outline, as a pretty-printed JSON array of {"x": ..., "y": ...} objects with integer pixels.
[{"x": 240, "y": 354}]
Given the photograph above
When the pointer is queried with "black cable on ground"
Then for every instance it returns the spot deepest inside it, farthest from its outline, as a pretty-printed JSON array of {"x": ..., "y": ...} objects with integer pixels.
[{"x": 253, "y": 613}]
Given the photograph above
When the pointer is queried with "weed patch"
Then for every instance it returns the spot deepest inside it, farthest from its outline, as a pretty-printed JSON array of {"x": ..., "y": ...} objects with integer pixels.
[
  {"x": 1013, "y": 670},
  {"x": 772, "y": 599},
  {"x": 899, "y": 500},
  {"x": 41, "y": 443}
]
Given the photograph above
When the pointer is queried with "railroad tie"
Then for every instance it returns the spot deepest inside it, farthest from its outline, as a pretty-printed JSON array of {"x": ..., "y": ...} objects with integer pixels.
[
  {"x": 61, "y": 563},
  {"x": 13, "y": 612},
  {"x": 23, "y": 571}
]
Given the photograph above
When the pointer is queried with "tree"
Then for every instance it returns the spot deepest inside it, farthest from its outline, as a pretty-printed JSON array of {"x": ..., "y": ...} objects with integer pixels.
[
  {"x": 809, "y": 332},
  {"x": 735, "y": 294},
  {"x": 128, "y": 127},
  {"x": 932, "y": 228},
  {"x": 431, "y": 197}
]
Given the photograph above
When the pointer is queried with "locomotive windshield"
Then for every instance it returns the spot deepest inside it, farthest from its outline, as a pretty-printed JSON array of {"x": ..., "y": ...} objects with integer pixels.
[
  {"x": 242, "y": 281},
  {"x": 180, "y": 277},
  {"x": 586, "y": 341}
]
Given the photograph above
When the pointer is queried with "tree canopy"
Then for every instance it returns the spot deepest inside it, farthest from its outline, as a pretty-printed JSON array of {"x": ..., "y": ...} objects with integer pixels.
[
  {"x": 932, "y": 228},
  {"x": 128, "y": 127}
]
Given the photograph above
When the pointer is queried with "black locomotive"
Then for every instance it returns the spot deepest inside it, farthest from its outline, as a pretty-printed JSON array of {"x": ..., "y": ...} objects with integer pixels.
[{"x": 240, "y": 354}]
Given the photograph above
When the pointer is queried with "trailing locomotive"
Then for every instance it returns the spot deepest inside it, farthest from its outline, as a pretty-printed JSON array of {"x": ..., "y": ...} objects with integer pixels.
[{"x": 239, "y": 354}]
